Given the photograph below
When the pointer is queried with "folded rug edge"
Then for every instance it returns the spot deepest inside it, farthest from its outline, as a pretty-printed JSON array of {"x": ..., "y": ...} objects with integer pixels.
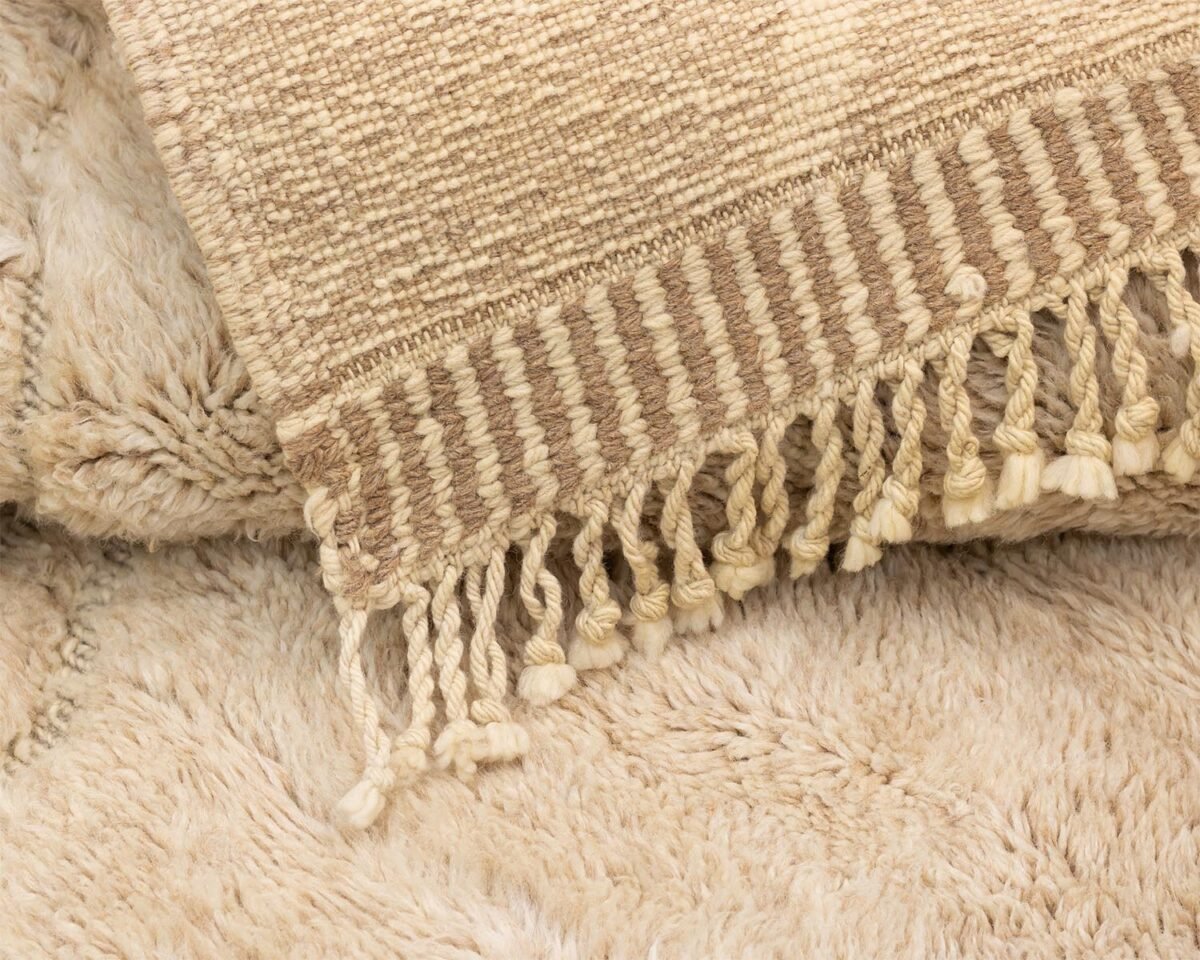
[{"x": 423, "y": 484}]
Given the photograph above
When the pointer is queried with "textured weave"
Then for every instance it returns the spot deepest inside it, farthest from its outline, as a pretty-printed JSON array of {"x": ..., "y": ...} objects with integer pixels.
[
  {"x": 394, "y": 178},
  {"x": 124, "y": 411},
  {"x": 499, "y": 267}
]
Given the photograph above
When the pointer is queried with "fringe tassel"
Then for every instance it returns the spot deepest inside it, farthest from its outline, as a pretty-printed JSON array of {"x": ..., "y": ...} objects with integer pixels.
[
  {"x": 499, "y": 738},
  {"x": 596, "y": 644},
  {"x": 1135, "y": 443},
  {"x": 772, "y": 476},
  {"x": 411, "y": 750},
  {"x": 968, "y": 496},
  {"x": 1021, "y": 473},
  {"x": 1085, "y": 470},
  {"x": 546, "y": 676},
  {"x": 738, "y": 567},
  {"x": 473, "y": 680},
  {"x": 360, "y": 807},
  {"x": 862, "y": 548},
  {"x": 481, "y": 732},
  {"x": 1182, "y": 455},
  {"x": 893, "y": 514},
  {"x": 453, "y": 746},
  {"x": 650, "y": 605},
  {"x": 809, "y": 544},
  {"x": 697, "y": 604}
]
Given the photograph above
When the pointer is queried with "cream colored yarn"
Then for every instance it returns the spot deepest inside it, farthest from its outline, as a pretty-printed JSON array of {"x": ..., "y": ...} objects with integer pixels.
[{"x": 494, "y": 306}]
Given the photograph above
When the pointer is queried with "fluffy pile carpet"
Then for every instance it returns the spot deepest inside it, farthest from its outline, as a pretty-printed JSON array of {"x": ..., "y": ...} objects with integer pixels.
[
  {"x": 536, "y": 403},
  {"x": 965, "y": 752},
  {"x": 501, "y": 270}
]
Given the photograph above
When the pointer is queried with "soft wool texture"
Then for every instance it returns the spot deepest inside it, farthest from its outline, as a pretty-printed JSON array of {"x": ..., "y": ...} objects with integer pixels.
[
  {"x": 645, "y": 313},
  {"x": 968, "y": 752},
  {"x": 123, "y": 409}
]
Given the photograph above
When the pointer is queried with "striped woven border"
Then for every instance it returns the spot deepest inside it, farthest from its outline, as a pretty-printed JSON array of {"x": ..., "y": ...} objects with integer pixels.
[{"x": 461, "y": 454}]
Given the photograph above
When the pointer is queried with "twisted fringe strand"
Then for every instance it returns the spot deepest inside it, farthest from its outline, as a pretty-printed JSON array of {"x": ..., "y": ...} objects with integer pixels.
[{"x": 676, "y": 590}]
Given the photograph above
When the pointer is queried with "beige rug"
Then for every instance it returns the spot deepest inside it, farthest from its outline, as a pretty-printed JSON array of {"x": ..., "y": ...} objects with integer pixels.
[
  {"x": 125, "y": 412},
  {"x": 966, "y": 752},
  {"x": 979, "y": 752},
  {"x": 505, "y": 274}
]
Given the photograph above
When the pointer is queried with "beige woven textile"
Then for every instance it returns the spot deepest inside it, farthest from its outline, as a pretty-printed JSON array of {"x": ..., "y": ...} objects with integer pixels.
[{"x": 504, "y": 272}]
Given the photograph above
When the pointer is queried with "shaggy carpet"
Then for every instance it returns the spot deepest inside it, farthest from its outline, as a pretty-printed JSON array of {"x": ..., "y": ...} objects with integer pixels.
[
  {"x": 976, "y": 751},
  {"x": 972, "y": 751}
]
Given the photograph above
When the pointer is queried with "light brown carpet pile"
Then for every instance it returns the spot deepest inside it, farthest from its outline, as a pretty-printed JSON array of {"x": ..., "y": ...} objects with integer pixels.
[{"x": 975, "y": 752}]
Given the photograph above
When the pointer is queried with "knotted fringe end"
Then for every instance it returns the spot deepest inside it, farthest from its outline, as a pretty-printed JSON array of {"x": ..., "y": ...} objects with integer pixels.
[{"x": 458, "y": 677}]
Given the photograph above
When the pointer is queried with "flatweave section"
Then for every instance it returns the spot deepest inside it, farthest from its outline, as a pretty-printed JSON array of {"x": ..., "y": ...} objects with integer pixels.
[
  {"x": 508, "y": 273},
  {"x": 766, "y": 318},
  {"x": 367, "y": 181}
]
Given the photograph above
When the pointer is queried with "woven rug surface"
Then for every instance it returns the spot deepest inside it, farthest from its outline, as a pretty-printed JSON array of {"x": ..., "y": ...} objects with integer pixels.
[
  {"x": 968, "y": 752},
  {"x": 499, "y": 271},
  {"x": 125, "y": 411}
]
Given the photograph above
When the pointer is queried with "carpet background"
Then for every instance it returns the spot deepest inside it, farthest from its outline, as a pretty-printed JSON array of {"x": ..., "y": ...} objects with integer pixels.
[
  {"x": 972, "y": 751},
  {"x": 966, "y": 752}
]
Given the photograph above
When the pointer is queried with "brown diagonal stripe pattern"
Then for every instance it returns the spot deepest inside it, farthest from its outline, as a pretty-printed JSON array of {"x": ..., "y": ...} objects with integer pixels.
[{"x": 862, "y": 286}]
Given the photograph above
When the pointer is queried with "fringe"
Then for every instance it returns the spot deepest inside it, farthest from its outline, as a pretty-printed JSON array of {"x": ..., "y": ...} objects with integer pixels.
[{"x": 674, "y": 587}]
